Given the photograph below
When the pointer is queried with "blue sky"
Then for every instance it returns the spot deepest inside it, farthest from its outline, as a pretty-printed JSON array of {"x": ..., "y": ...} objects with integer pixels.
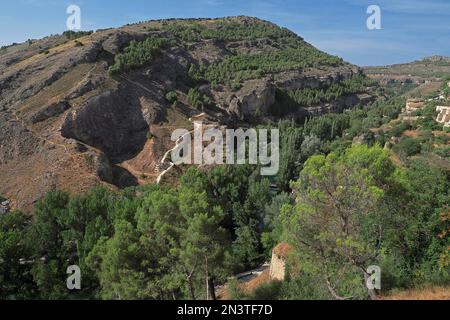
[{"x": 411, "y": 29}]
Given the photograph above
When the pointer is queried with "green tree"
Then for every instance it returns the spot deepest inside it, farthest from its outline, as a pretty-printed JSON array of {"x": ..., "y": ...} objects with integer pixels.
[
  {"x": 16, "y": 281},
  {"x": 339, "y": 216}
]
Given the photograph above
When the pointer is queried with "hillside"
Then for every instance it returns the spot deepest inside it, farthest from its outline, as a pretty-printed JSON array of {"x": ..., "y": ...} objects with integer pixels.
[
  {"x": 85, "y": 109},
  {"x": 421, "y": 71}
]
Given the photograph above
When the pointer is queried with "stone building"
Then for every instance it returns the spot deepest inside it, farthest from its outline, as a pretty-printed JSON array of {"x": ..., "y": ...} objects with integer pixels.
[
  {"x": 412, "y": 105},
  {"x": 444, "y": 115},
  {"x": 278, "y": 263}
]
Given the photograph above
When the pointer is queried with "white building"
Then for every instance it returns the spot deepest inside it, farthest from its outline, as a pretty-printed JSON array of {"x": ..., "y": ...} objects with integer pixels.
[{"x": 444, "y": 115}]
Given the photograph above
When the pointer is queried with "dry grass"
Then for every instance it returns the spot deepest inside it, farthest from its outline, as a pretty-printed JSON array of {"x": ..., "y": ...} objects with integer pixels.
[
  {"x": 435, "y": 293},
  {"x": 412, "y": 134},
  {"x": 56, "y": 90},
  {"x": 255, "y": 283},
  {"x": 282, "y": 250},
  {"x": 86, "y": 40},
  {"x": 247, "y": 287}
]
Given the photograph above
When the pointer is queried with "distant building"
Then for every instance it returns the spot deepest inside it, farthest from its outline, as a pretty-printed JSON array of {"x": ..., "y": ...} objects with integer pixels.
[{"x": 444, "y": 115}]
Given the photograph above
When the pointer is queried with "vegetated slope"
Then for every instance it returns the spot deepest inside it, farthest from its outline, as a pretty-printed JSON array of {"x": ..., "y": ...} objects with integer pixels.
[
  {"x": 82, "y": 109},
  {"x": 427, "y": 69}
]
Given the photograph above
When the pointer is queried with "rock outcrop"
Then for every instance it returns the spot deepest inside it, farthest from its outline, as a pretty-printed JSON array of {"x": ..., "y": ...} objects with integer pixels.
[
  {"x": 254, "y": 99},
  {"x": 340, "y": 104},
  {"x": 109, "y": 122}
]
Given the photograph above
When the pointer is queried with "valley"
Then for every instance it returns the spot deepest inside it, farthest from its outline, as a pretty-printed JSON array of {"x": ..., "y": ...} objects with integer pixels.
[{"x": 88, "y": 178}]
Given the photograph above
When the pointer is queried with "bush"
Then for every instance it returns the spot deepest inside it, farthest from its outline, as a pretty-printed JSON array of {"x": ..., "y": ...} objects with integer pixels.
[
  {"x": 198, "y": 100},
  {"x": 78, "y": 43},
  {"x": 443, "y": 152},
  {"x": 399, "y": 129},
  {"x": 408, "y": 147},
  {"x": 270, "y": 291},
  {"x": 172, "y": 96}
]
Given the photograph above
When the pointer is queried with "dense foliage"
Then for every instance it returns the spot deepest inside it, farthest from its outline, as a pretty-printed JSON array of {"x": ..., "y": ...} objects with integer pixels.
[
  {"x": 226, "y": 31},
  {"x": 72, "y": 35},
  {"x": 240, "y": 67},
  {"x": 154, "y": 242},
  {"x": 358, "y": 209},
  {"x": 309, "y": 97},
  {"x": 137, "y": 54}
]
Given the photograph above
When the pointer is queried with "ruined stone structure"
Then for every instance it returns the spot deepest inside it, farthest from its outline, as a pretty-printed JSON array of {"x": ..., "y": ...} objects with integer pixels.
[
  {"x": 278, "y": 264},
  {"x": 444, "y": 115},
  {"x": 412, "y": 105}
]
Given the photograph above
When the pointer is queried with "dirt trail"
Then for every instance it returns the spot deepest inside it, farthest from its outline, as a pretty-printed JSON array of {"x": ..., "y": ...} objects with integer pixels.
[{"x": 170, "y": 164}]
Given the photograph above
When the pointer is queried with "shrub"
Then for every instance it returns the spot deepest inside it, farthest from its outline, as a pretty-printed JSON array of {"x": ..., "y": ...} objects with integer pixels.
[
  {"x": 269, "y": 291},
  {"x": 399, "y": 129},
  {"x": 172, "y": 96},
  {"x": 78, "y": 43},
  {"x": 408, "y": 147},
  {"x": 444, "y": 152},
  {"x": 198, "y": 100}
]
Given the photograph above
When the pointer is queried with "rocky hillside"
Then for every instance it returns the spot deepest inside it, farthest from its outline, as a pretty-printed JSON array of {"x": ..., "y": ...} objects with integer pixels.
[{"x": 82, "y": 109}]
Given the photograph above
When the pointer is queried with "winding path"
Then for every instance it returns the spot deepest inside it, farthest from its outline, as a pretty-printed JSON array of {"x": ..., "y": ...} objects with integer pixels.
[{"x": 170, "y": 164}]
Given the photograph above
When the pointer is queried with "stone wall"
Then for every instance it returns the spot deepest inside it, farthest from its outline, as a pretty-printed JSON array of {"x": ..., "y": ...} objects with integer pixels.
[
  {"x": 280, "y": 254},
  {"x": 413, "y": 105}
]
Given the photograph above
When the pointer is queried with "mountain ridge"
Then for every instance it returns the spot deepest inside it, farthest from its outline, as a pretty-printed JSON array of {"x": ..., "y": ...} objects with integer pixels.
[{"x": 82, "y": 109}]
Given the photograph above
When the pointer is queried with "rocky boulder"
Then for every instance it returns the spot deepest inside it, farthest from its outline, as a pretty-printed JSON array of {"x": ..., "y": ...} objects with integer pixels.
[
  {"x": 253, "y": 99},
  {"x": 111, "y": 122}
]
